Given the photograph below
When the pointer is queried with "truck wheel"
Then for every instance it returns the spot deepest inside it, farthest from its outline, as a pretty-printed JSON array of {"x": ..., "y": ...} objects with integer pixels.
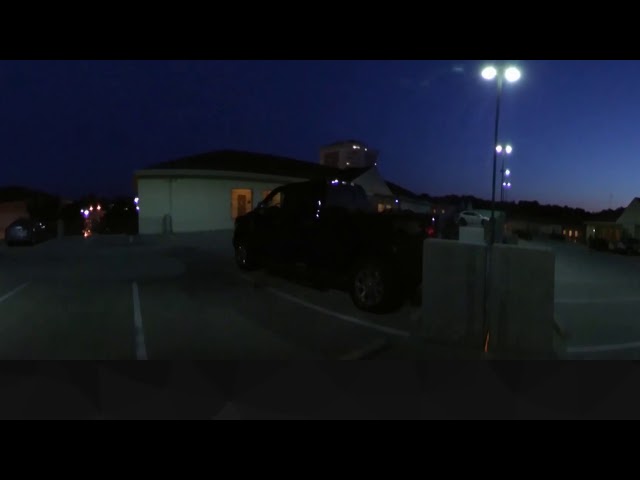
[
  {"x": 372, "y": 288},
  {"x": 244, "y": 256}
]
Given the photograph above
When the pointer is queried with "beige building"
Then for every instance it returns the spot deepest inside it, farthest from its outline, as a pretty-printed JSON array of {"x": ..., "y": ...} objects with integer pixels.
[
  {"x": 627, "y": 225},
  {"x": 348, "y": 154},
  {"x": 209, "y": 191},
  {"x": 630, "y": 219}
]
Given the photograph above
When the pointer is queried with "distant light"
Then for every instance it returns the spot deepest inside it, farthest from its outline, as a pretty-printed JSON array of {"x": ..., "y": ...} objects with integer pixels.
[
  {"x": 319, "y": 203},
  {"x": 512, "y": 74},
  {"x": 365, "y": 149},
  {"x": 347, "y": 163},
  {"x": 507, "y": 172},
  {"x": 91, "y": 208},
  {"x": 136, "y": 200},
  {"x": 396, "y": 200},
  {"x": 508, "y": 149},
  {"x": 504, "y": 184},
  {"x": 333, "y": 182},
  {"x": 489, "y": 73},
  {"x": 442, "y": 210},
  {"x": 433, "y": 219},
  {"x": 499, "y": 148},
  {"x": 138, "y": 207},
  {"x": 98, "y": 207},
  {"x": 508, "y": 184}
]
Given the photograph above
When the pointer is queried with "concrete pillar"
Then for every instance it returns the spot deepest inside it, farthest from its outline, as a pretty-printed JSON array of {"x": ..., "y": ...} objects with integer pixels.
[
  {"x": 475, "y": 234},
  {"x": 521, "y": 300},
  {"x": 453, "y": 282}
]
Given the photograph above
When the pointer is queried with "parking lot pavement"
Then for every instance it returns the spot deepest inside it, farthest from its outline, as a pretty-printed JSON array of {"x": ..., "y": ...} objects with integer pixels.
[
  {"x": 169, "y": 298},
  {"x": 68, "y": 320},
  {"x": 182, "y": 297},
  {"x": 597, "y": 301},
  {"x": 216, "y": 311}
]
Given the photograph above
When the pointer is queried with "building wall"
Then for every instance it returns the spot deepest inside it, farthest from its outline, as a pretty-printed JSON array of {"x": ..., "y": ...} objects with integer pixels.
[
  {"x": 194, "y": 204},
  {"x": 373, "y": 183},
  {"x": 416, "y": 206},
  {"x": 629, "y": 221}
]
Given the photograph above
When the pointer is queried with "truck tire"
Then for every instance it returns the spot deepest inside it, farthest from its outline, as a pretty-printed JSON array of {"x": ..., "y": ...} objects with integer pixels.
[{"x": 372, "y": 288}]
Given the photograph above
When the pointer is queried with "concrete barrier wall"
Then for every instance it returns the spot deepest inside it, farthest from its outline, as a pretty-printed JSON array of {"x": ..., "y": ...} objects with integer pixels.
[
  {"x": 453, "y": 282},
  {"x": 475, "y": 234},
  {"x": 521, "y": 300}
]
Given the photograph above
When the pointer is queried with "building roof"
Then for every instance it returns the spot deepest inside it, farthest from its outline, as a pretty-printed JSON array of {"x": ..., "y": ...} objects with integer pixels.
[
  {"x": 239, "y": 161},
  {"x": 341, "y": 143},
  {"x": 397, "y": 190}
]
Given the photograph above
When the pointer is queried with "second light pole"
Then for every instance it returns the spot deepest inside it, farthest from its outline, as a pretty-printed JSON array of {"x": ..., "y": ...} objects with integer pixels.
[{"x": 504, "y": 172}]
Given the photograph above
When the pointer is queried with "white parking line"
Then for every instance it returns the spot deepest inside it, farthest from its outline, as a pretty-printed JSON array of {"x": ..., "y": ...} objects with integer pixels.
[
  {"x": 598, "y": 300},
  {"x": 604, "y": 348},
  {"x": 13, "y": 292},
  {"x": 346, "y": 318},
  {"x": 141, "y": 351}
]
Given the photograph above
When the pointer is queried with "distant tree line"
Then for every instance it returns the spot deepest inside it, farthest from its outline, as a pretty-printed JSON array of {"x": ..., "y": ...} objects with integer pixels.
[
  {"x": 120, "y": 215},
  {"x": 530, "y": 210}
]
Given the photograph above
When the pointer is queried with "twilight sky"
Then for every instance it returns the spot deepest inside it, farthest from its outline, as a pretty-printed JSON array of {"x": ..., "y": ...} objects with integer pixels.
[{"x": 73, "y": 127}]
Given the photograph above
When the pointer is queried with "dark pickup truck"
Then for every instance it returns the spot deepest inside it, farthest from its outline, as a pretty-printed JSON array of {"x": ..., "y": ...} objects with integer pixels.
[{"x": 330, "y": 229}]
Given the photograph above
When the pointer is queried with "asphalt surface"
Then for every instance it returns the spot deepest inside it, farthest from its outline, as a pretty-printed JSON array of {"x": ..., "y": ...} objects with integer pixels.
[
  {"x": 182, "y": 297},
  {"x": 597, "y": 301}
]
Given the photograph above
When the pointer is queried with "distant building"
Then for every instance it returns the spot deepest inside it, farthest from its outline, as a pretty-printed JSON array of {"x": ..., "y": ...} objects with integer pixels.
[
  {"x": 630, "y": 219},
  {"x": 348, "y": 154},
  {"x": 627, "y": 225},
  {"x": 209, "y": 191}
]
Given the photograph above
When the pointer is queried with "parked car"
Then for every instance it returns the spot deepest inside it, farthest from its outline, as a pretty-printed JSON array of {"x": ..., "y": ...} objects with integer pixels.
[
  {"x": 25, "y": 231},
  {"x": 469, "y": 217},
  {"x": 330, "y": 230}
]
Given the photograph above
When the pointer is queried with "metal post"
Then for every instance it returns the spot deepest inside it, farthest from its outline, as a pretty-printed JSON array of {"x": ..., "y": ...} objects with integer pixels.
[
  {"x": 495, "y": 160},
  {"x": 502, "y": 192}
]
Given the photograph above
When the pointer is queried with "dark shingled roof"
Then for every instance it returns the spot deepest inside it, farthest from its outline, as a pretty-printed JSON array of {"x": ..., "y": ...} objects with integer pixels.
[
  {"x": 398, "y": 190},
  {"x": 238, "y": 161}
]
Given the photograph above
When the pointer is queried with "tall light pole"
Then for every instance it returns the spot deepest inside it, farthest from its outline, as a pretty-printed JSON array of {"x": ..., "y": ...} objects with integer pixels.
[
  {"x": 511, "y": 75},
  {"x": 503, "y": 151}
]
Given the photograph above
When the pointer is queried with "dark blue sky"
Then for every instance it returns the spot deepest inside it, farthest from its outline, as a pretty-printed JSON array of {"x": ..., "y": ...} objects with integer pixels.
[{"x": 73, "y": 127}]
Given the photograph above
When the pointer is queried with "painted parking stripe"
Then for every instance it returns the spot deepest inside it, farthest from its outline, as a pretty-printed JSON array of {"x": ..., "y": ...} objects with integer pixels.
[
  {"x": 346, "y": 318},
  {"x": 331, "y": 313},
  {"x": 12, "y": 292},
  {"x": 597, "y": 300},
  {"x": 604, "y": 348},
  {"x": 141, "y": 350}
]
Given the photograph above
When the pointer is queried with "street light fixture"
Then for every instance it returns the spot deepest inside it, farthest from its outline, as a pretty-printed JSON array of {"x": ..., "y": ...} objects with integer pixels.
[
  {"x": 503, "y": 151},
  {"x": 510, "y": 74}
]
